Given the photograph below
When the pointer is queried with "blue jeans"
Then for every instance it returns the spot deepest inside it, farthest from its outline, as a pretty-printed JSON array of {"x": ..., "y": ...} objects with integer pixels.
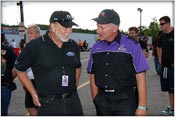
[
  {"x": 157, "y": 64},
  {"x": 5, "y": 100}
]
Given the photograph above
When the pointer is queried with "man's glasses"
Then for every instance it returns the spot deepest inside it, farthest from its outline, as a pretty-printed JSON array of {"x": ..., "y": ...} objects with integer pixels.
[{"x": 162, "y": 24}]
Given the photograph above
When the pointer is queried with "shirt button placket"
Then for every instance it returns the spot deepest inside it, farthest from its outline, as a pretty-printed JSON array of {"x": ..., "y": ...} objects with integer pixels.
[{"x": 106, "y": 75}]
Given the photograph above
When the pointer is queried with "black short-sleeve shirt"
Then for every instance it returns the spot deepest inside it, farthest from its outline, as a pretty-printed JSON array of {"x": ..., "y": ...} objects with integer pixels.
[
  {"x": 49, "y": 63},
  {"x": 166, "y": 42}
]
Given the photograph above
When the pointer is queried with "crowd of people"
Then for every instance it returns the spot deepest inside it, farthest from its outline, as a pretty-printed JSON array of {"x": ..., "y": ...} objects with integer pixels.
[{"x": 117, "y": 67}]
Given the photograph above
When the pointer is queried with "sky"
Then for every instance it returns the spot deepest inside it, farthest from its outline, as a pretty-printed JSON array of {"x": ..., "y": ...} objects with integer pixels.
[{"x": 83, "y": 12}]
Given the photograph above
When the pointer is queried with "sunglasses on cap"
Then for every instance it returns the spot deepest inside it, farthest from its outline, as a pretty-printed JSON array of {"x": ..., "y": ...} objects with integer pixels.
[
  {"x": 66, "y": 19},
  {"x": 162, "y": 24}
]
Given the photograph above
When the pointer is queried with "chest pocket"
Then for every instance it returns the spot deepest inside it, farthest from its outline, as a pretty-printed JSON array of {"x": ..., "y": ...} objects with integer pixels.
[{"x": 70, "y": 59}]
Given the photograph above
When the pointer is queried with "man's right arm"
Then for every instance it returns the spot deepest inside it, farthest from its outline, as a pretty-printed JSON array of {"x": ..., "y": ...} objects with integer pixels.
[
  {"x": 29, "y": 86},
  {"x": 94, "y": 88},
  {"x": 159, "y": 54}
]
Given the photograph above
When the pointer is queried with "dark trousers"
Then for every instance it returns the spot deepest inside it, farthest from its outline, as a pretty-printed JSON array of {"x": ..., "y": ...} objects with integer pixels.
[
  {"x": 118, "y": 104},
  {"x": 167, "y": 79},
  {"x": 56, "y": 106}
]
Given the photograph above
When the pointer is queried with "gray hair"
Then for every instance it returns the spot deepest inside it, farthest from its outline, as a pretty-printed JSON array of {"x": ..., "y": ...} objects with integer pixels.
[{"x": 36, "y": 27}]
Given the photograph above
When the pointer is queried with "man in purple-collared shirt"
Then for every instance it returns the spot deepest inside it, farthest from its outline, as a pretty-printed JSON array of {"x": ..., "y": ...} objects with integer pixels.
[{"x": 116, "y": 65}]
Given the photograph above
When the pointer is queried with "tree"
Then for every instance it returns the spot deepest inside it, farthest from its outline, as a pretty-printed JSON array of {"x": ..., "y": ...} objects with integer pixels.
[
  {"x": 153, "y": 28},
  {"x": 142, "y": 29}
]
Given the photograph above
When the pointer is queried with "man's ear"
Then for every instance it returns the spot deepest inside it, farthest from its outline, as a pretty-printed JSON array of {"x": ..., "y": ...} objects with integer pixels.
[
  {"x": 115, "y": 28},
  {"x": 53, "y": 27}
]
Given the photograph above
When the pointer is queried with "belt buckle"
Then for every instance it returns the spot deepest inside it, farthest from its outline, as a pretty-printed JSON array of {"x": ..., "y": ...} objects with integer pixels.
[
  {"x": 110, "y": 91},
  {"x": 65, "y": 95}
]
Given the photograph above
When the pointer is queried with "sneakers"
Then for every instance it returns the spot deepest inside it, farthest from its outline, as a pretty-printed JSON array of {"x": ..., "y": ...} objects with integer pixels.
[{"x": 168, "y": 111}]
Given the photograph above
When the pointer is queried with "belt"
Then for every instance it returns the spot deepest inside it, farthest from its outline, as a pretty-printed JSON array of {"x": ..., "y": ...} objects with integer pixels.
[
  {"x": 110, "y": 91},
  {"x": 59, "y": 96},
  {"x": 115, "y": 90}
]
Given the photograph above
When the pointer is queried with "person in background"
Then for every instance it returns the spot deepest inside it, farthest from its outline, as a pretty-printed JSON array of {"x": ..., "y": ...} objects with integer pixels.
[
  {"x": 8, "y": 58},
  {"x": 33, "y": 32},
  {"x": 13, "y": 43},
  {"x": 114, "y": 62},
  {"x": 80, "y": 44},
  {"x": 56, "y": 66},
  {"x": 145, "y": 40},
  {"x": 22, "y": 44},
  {"x": 85, "y": 45},
  {"x": 154, "y": 52},
  {"x": 165, "y": 51},
  {"x": 134, "y": 33}
]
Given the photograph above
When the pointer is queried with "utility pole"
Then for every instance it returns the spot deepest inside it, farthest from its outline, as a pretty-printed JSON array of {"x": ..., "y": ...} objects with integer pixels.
[
  {"x": 21, "y": 25},
  {"x": 140, "y": 10},
  {"x": 21, "y": 10}
]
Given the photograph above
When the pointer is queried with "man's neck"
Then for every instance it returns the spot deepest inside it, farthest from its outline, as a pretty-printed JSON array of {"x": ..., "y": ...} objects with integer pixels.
[
  {"x": 55, "y": 40},
  {"x": 169, "y": 29},
  {"x": 112, "y": 37}
]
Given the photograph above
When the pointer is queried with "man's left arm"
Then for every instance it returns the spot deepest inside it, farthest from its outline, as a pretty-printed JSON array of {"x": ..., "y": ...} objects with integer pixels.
[
  {"x": 78, "y": 73},
  {"x": 142, "y": 94}
]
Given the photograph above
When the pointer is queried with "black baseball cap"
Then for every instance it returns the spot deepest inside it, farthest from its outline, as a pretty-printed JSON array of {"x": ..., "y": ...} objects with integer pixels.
[
  {"x": 108, "y": 16},
  {"x": 62, "y": 17}
]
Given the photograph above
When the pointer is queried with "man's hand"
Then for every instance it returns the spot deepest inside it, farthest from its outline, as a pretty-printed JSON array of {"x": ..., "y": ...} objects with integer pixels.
[{"x": 36, "y": 100}]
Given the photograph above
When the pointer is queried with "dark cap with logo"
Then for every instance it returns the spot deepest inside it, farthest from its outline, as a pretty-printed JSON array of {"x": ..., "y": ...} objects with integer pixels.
[
  {"x": 62, "y": 17},
  {"x": 108, "y": 16}
]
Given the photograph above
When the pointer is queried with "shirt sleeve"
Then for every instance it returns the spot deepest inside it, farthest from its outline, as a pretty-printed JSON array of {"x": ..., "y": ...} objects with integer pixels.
[
  {"x": 26, "y": 57},
  {"x": 90, "y": 63},
  {"x": 78, "y": 54},
  {"x": 78, "y": 57},
  {"x": 140, "y": 62},
  {"x": 159, "y": 42}
]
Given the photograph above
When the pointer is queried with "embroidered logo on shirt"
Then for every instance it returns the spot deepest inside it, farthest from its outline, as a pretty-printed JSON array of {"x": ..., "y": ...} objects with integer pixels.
[
  {"x": 70, "y": 54},
  {"x": 16, "y": 62},
  {"x": 122, "y": 48},
  {"x": 98, "y": 48}
]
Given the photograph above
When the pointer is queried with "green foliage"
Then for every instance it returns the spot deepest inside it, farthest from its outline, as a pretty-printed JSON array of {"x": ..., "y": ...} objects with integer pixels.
[
  {"x": 79, "y": 30},
  {"x": 43, "y": 26},
  {"x": 153, "y": 28},
  {"x": 46, "y": 27},
  {"x": 6, "y": 25}
]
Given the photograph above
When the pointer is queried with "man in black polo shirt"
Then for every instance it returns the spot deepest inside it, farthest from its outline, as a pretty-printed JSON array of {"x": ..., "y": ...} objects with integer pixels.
[
  {"x": 166, "y": 59},
  {"x": 114, "y": 62},
  {"x": 55, "y": 62}
]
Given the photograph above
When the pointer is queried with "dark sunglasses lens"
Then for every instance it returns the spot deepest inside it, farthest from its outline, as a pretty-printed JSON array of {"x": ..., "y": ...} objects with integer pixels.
[{"x": 162, "y": 24}]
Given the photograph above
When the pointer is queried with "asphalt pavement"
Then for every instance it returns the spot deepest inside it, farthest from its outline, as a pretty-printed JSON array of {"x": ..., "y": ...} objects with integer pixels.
[{"x": 157, "y": 100}]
